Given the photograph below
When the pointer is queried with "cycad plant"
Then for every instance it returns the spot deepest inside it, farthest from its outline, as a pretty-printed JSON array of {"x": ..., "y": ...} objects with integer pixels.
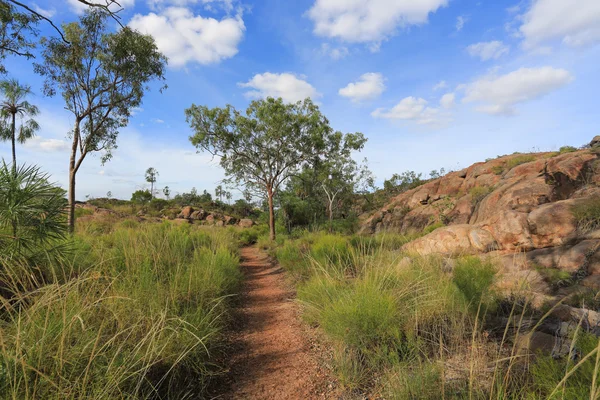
[
  {"x": 32, "y": 211},
  {"x": 14, "y": 104}
]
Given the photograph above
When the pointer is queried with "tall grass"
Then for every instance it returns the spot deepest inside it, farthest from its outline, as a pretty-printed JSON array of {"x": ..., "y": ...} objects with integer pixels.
[
  {"x": 140, "y": 318},
  {"x": 408, "y": 327}
]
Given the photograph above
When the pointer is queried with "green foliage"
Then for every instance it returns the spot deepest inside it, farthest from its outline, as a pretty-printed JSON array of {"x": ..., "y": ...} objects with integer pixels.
[
  {"x": 555, "y": 277},
  {"x": 142, "y": 319},
  {"x": 582, "y": 369},
  {"x": 141, "y": 196},
  {"x": 474, "y": 277},
  {"x": 498, "y": 169},
  {"x": 432, "y": 227},
  {"x": 587, "y": 214},
  {"x": 32, "y": 216},
  {"x": 263, "y": 147},
  {"x": 399, "y": 183},
  {"x": 17, "y": 32},
  {"x": 518, "y": 160},
  {"x": 478, "y": 193},
  {"x": 567, "y": 149}
]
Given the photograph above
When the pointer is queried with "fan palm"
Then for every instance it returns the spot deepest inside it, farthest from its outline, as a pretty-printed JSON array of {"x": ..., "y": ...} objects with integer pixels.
[{"x": 14, "y": 104}]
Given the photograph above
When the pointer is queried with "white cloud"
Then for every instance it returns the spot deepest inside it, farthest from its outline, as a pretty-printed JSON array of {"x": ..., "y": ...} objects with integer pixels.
[
  {"x": 136, "y": 110},
  {"x": 411, "y": 109},
  {"x": 460, "y": 22},
  {"x": 575, "y": 22},
  {"x": 499, "y": 94},
  {"x": 208, "y": 4},
  {"x": 289, "y": 87},
  {"x": 79, "y": 8},
  {"x": 47, "y": 145},
  {"x": 440, "y": 85},
  {"x": 369, "y": 86},
  {"x": 336, "y": 53},
  {"x": 157, "y": 121},
  {"x": 185, "y": 37},
  {"x": 447, "y": 100},
  {"x": 361, "y": 21},
  {"x": 488, "y": 50},
  {"x": 46, "y": 12}
]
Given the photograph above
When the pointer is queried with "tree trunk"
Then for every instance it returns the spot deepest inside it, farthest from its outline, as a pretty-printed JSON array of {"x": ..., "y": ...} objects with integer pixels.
[
  {"x": 72, "y": 172},
  {"x": 13, "y": 139},
  {"x": 271, "y": 214},
  {"x": 151, "y": 190},
  {"x": 331, "y": 216}
]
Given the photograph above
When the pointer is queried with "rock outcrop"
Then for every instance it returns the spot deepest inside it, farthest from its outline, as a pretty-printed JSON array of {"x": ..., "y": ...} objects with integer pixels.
[{"x": 518, "y": 207}]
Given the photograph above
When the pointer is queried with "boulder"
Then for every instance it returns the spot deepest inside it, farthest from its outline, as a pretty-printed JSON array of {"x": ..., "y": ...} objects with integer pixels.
[
  {"x": 186, "y": 212},
  {"x": 229, "y": 220},
  {"x": 595, "y": 141},
  {"x": 246, "y": 223},
  {"x": 552, "y": 224},
  {"x": 567, "y": 258},
  {"x": 510, "y": 229},
  {"x": 540, "y": 342},
  {"x": 198, "y": 215},
  {"x": 453, "y": 240}
]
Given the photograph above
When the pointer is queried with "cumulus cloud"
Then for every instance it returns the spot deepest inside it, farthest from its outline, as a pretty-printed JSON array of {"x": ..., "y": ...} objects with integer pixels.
[
  {"x": 447, "y": 100},
  {"x": 410, "y": 109},
  {"x": 185, "y": 37},
  {"x": 79, "y": 7},
  {"x": 488, "y": 50},
  {"x": 574, "y": 22},
  {"x": 369, "y": 86},
  {"x": 499, "y": 94},
  {"x": 289, "y": 87},
  {"x": 46, "y": 12},
  {"x": 368, "y": 21},
  {"x": 47, "y": 145}
]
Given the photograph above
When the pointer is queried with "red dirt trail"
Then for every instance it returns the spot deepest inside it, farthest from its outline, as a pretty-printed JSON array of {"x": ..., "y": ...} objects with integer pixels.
[{"x": 273, "y": 359}]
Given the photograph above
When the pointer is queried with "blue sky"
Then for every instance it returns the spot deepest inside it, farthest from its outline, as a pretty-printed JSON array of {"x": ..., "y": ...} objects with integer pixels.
[{"x": 431, "y": 83}]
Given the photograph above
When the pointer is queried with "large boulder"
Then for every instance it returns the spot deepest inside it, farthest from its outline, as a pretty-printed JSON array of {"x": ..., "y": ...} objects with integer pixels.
[
  {"x": 198, "y": 215},
  {"x": 552, "y": 224},
  {"x": 186, "y": 212},
  {"x": 595, "y": 141},
  {"x": 246, "y": 223},
  {"x": 454, "y": 240},
  {"x": 568, "y": 258}
]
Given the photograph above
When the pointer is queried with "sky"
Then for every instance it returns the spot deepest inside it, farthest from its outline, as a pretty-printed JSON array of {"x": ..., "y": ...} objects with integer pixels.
[{"x": 431, "y": 83}]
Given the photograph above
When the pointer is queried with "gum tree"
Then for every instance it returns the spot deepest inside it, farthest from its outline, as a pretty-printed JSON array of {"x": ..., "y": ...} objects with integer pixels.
[
  {"x": 102, "y": 77},
  {"x": 263, "y": 147},
  {"x": 151, "y": 176}
]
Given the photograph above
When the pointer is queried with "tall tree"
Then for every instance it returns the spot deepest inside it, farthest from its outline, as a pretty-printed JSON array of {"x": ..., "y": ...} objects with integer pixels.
[
  {"x": 17, "y": 30},
  {"x": 263, "y": 147},
  {"x": 151, "y": 175},
  {"x": 14, "y": 105},
  {"x": 102, "y": 76},
  {"x": 167, "y": 192}
]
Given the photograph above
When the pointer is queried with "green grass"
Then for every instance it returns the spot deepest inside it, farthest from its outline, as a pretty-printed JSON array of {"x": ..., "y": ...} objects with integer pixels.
[
  {"x": 479, "y": 193},
  {"x": 474, "y": 278},
  {"x": 567, "y": 149},
  {"x": 518, "y": 160},
  {"x": 587, "y": 214},
  {"x": 136, "y": 311}
]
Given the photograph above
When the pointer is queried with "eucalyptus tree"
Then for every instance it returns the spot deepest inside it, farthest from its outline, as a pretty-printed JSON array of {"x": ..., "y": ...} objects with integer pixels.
[
  {"x": 14, "y": 105},
  {"x": 263, "y": 147},
  {"x": 151, "y": 176},
  {"x": 102, "y": 77},
  {"x": 167, "y": 192}
]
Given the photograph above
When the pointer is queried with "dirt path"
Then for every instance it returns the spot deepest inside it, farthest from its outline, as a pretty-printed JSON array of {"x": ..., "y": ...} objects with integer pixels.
[{"x": 273, "y": 359}]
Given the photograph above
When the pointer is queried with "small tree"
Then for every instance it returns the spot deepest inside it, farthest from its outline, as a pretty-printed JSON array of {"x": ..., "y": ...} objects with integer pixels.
[
  {"x": 108, "y": 195},
  {"x": 102, "y": 76},
  {"x": 167, "y": 192},
  {"x": 151, "y": 175},
  {"x": 262, "y": 148},
  {"x": 14, "y": 105},
  {"x": 141, "y": 197},
  {"x": 219, "y": 192}
]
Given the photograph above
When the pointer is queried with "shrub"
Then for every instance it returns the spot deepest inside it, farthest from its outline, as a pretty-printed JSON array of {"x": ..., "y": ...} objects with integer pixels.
[
  {"x": 518, "y": 160},
  {"x": 587, "y": 214},
  {"x": 430, "y": 228},
  {"x": 566, "y": 149},
  {"x": 498, "y": 169},
  {"x": 474, "y": 277},
  {"x": 478, "y": 193}
]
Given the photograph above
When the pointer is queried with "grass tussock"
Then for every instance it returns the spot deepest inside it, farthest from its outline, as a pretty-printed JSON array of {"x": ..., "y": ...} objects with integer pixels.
[
  {"x": 408, "y": 327},
  {"x": 587, "y": 214},
  {"x": 134, "y": 311}
]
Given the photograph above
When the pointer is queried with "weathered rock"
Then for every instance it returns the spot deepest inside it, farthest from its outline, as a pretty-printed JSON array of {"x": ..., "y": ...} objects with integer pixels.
[
  {"x": 454, "y": 240},
  {"x": 198, "y": 215},
  {"x": 540, "y": 342},
  {"x": 229, "y": 220},
  {"x": 246, "y": 223},
  {"x": 510, "y": 229},
  {"x": 567, "y": 258},
  {"x": 552, "y": 224},
  {"x": 186, "y": 212},
  {"x": 595, "y": 141}
]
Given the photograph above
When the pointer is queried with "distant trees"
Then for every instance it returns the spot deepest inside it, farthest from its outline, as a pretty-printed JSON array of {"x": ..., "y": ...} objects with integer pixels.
[
  {"x": 102, "y": 76},
  {"x": 263, "y": 147},
  {"x": 14, "y": 104},
  {"x": 141, "y": 197},
  {"x": 151, "y": 175}
]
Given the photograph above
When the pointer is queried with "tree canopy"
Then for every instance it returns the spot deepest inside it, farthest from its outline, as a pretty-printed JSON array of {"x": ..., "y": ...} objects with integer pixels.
[{"x": 269, "y": 143}]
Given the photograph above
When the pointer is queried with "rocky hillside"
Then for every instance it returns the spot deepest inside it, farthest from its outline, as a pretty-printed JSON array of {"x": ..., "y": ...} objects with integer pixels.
[{"x": 538, "y": 213}]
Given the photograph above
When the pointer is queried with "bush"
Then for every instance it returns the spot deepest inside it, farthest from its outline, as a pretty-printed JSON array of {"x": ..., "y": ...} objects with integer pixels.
[
  {"x": 587, "y": 214},
  {"x": 474, "y": 277},
  {"x": 478, "y": 193},
  {"x": 566, "y": 149},
  {"x": 518, "y": 160}
]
